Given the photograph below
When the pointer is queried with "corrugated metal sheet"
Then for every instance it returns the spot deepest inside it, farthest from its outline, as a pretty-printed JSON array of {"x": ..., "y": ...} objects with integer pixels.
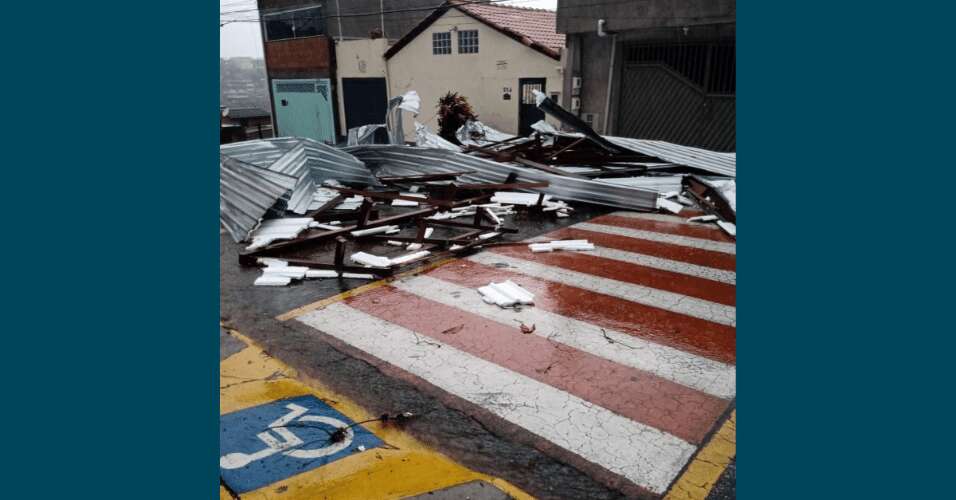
[
  {"x": 661, "y": 184},
  {"x": 710, "y": 161},
  {"x": 246, "y": 193},
  {"x": 310, "y": 162},
  {"x": 407, "y": 160},
  {"x": 660, "y": 104}
]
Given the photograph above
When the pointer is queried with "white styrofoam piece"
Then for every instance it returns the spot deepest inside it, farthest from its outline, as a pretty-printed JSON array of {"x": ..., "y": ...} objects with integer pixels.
[
  {"x": 512, "y": 198},
  {"x": 272, "y": 280},
  {"x": 393, "y": 230},
  {"x": 404, "y": 203},
  {"x": 485, "y": 236},
  {"x": 375, "y": 230},
  {"x": 367, "y": 259},
  {"x": 729, "y": 227},
  {"x": 669, "y": 205},
  {"x": 404, "y": 259},
  {"x": 492, "y": 216},
  {"x": 395, "y": 243},
  {"x": 562, "y": 244},
  {"x": 703, "y": 218},
  {"x": 429, "y": 231},
  {"x": 295, "y": 272},
  {"x": 496, "y": 297},
  {"x": 414, "y": 246},
  {"x": 541, "y": 247},
  {"x": 358, "y": 276},
  {"x": 514, "y": 291},
  {"x": 327, "y": 227}
]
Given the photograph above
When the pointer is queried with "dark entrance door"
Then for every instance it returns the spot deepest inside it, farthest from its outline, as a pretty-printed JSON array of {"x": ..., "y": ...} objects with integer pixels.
[
  {"x": 366, "y": 101},
  {"x": 528, "y": 112}
]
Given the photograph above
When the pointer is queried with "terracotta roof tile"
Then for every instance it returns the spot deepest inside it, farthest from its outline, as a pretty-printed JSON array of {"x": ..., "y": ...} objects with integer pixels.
[{"x": 536, "y": 24}]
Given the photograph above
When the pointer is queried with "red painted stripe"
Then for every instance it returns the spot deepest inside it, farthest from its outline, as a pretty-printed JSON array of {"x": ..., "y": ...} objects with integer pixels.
[
  {"x": 707, "y": 258},
  {"x": 698, "y": 336},
  {"x": 694, "y": 231},
  {"x": 635, "y": 394},
  {"x": 582, "y": 262}
]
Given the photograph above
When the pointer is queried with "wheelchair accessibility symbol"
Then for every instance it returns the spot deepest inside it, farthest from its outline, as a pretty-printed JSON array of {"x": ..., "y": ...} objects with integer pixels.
[
  {"x": 268, "y": 443},
  {"x": 290, "y": 442}
]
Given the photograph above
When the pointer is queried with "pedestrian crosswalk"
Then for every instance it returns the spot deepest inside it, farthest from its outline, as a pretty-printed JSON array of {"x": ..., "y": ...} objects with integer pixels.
[{"x": 631, "y": 360}]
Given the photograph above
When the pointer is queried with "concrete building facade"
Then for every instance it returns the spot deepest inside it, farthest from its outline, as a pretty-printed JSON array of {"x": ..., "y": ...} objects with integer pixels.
[
  {"x": 299, "y": 38},
  {"x": 486, "y": 53},
  {"x": 652, "y": 69}
]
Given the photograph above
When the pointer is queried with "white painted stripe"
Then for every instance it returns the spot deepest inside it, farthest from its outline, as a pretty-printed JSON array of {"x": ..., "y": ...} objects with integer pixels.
[
  {"x": 705, "y": 375},
  {"x": 669, "y": 301},
  {"x": 642, "y": 454},
  {"x": 677, "y": 219},
  {"x": 676, "y": 266},
  {"x": 674, "y": 239}
]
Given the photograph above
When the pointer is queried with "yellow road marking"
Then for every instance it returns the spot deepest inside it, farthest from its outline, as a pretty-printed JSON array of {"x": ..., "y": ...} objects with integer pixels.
[
  {"x": 251, "y": 377},
  {"x": 299, "y": 311},
  {"x": 703, "y": 473}
]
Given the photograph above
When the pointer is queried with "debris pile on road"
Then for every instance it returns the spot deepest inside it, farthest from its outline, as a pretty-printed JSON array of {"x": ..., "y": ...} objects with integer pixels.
[
  {"x": 292, "y": 198},
  {"x": 669, "y": 171},
  {"x": 388, "y": 219}
]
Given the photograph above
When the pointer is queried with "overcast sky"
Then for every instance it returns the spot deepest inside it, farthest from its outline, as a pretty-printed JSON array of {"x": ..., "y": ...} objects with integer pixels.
[{"x": 244, "y": 38}]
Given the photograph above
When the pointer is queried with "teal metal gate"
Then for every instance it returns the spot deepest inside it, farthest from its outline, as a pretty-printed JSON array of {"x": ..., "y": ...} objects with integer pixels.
[{"x": 304, "y": 109}]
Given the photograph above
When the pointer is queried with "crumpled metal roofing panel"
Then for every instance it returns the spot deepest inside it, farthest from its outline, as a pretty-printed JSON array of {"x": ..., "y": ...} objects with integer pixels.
[
  {"x": 710, "y": 161},
  {"x": 246, "y": 193},
  {"x": 661, "y": 184},
  {"x": 309, "y": 161},
  {"x": 407, "y": 160}
]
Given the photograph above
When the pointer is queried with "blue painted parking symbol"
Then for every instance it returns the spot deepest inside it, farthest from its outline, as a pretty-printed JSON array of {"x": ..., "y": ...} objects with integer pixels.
[{"x": 268, "y": 443}]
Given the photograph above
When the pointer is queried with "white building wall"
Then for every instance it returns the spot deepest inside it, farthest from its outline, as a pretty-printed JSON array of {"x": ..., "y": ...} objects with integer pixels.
[{"x": 483, "y": 78}]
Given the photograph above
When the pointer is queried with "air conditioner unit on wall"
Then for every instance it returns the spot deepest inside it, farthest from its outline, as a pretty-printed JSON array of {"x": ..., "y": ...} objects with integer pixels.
[
  {"x": 576, "y": 82},
  {"x": 575, "y": 103}
]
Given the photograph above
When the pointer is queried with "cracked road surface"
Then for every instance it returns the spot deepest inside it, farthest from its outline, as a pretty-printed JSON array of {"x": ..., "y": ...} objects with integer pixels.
[{"x": 626, "y": 381}]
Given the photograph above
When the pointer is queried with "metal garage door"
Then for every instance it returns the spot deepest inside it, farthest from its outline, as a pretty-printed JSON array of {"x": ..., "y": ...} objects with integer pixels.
[{"x": 681, "y": 93}]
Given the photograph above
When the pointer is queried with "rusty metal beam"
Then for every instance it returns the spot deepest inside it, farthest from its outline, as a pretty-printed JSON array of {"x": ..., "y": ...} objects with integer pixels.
[
  {"x": 710, "y": 199},
  {"x": 468, "y": 225},
  {"x": 397, "y": 179}
]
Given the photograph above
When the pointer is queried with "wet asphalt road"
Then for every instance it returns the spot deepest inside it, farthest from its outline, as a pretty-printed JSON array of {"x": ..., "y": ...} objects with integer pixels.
[{"x": 498, "y": 450}]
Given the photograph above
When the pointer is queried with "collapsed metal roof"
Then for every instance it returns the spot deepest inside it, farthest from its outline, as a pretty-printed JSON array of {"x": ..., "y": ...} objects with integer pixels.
[
  {"x": 246, "y": 193},
  {"x": 310, "y": 162},
  {"x": 395, "y": 160},
  {"x": 702, "y": 159}
]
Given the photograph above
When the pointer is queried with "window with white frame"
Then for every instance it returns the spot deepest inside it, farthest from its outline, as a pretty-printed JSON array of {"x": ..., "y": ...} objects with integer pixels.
[
  {"x": 468, "y": 42},
  {"x": 441, "y": 43}
]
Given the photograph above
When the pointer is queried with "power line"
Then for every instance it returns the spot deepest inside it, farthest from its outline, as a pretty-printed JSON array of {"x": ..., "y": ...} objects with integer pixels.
[{"x": 375, "y": 13}]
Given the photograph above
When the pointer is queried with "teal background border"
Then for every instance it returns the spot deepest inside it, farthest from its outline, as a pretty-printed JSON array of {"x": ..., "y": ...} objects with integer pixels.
[
  {"x": 845, "y": 134},
  {"x": 110, "y": 263},
  {"x": 110, "y": 250}
]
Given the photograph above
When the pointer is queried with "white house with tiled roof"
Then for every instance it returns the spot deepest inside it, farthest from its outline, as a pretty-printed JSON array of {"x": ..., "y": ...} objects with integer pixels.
[{"x": 495, "y": 55}]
